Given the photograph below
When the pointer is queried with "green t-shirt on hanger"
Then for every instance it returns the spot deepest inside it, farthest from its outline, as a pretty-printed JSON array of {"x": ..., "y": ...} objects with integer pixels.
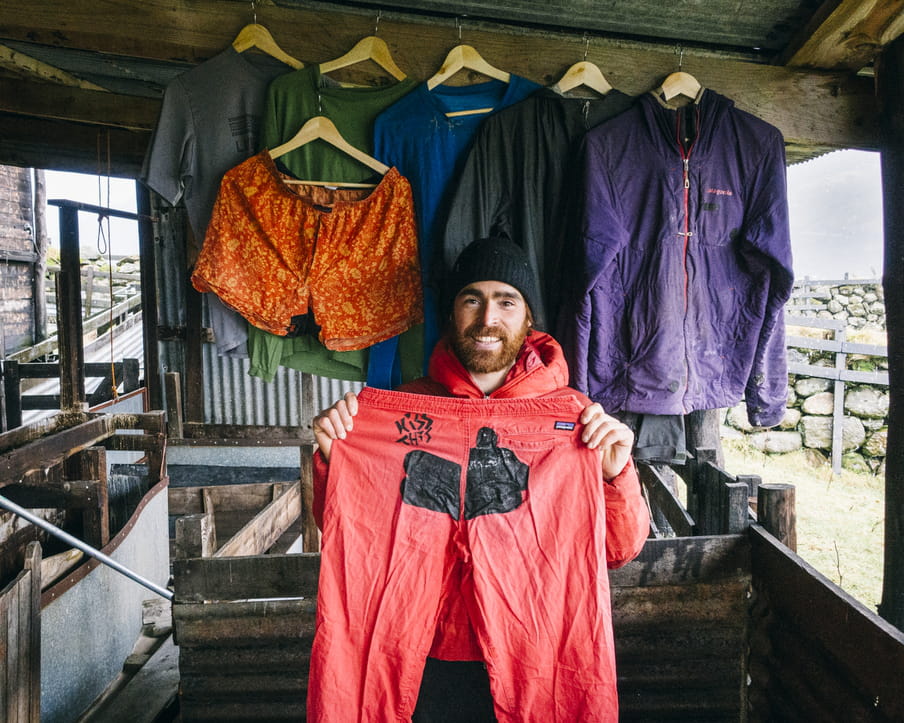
[{"x": 295, "y": 99}]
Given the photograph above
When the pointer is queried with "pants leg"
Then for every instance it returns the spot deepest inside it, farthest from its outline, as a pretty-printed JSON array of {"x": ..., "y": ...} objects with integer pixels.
[{"x": 454, "y": 692}]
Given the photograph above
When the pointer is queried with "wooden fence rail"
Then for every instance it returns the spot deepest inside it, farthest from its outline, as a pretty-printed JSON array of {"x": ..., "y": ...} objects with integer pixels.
[
  {"x": 839, "y": 373},
  {"x": 96, "y": 288},
  {"x": 126, "y": 372}
]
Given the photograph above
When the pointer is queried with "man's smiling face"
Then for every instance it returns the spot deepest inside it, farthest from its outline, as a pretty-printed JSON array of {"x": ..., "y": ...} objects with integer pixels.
[{"x": 490, "y": 320}]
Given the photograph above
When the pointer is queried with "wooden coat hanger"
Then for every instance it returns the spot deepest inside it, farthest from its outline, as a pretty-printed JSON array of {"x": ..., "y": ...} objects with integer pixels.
[
  {"x": 463, "y": 57},
  {"x": 369, "y": 48},
  {"x": 322, "y": 128},
  {"x": 583, "y": 73},
  {"x": 679, "y": 82},
  {"x": 257, "y": 36}
]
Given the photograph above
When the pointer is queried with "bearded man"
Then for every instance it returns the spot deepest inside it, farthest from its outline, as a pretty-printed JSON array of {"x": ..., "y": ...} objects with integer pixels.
[{"x": 492, "y": 351}]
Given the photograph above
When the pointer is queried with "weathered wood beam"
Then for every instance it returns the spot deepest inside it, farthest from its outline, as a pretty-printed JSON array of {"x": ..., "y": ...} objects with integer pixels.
[
  {"x": 34, "y": 142},
  {"x": 237, "y": 435},
  {"x": 262, "y": 532},
  {"x": 846, "y": 35},
  {"x": 663, "y": 499},
  {"x": 258, "y": 576},
  {"x": 684, "y": 560},
  {"x": 44, "y": 453},
  {"x": 60, "y": 102},
  {"x": 26, "y": 65},
  {"x": 67, "y": 494},
  {"x": 830, "y": 109},
  {"x": 223, "y": 498},
  {"x": 32, "y": 431}
]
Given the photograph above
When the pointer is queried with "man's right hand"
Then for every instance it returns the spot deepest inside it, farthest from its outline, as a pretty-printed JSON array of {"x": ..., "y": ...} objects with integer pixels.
[{"x": 335, "y": 423}]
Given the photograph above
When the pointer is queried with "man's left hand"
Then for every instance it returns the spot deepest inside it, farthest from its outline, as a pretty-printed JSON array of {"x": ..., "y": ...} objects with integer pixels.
[{"x": 613, "y": 439}]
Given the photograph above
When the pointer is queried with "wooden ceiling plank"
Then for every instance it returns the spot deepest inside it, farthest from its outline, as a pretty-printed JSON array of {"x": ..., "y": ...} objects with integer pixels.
[
  {"x": 851, "y": 37},
  {"x": 57, "y": 102},
  {"x": 824, "y": 109},
  {"x": 25, "y": 65}
]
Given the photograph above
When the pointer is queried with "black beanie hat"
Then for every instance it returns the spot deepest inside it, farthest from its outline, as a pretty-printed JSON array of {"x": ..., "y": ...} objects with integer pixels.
[{"x": 493, "y": 259}]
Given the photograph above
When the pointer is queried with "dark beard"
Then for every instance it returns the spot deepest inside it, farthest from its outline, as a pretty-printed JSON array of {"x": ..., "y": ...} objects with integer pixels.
[{"x": 486, "y": 362}]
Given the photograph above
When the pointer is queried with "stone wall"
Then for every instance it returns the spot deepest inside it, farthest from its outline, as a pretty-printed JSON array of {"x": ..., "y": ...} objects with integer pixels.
[
  {"x": 860, "y": 303},
  {"x": 808, "y": 420}
]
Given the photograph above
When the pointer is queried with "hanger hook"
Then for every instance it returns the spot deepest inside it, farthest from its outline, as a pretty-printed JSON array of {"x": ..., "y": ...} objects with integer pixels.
[
  {"x": 377, "y": 24},
  {"x": 254, "y": 11},
  {"x": 458, "y": 25},
  {"x": 679, "y": 51},
  {"x": 586, "y": 44}
]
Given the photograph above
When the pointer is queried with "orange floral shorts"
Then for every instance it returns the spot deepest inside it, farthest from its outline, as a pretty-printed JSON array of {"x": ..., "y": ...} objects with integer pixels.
[{"x": 274, "y": 251}]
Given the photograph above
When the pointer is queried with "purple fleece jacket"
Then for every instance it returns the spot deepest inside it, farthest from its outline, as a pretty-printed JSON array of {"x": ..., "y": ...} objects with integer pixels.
[{"x": 686, "y": 262}]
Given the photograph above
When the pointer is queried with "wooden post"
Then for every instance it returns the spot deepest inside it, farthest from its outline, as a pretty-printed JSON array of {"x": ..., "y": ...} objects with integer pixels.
[
  {"x": 838, "y": 406},
  {"x": 69, "y": 313},
  {"x": 130, "y": 373},
  {"x": 776, "y": 512},
  {"x": 753, "y": 482},
  {"x": 701, "y": 431},
  {"x": 891, "y": 94},
  {"x": 33, "y": 664},
  {"x": 91, "y": 464},
  {"x": 734, "y": 512},
  {"x": 195, "y": 536},
  {"x": 194, "y": 358},
  {"x": 173, "y": 384},
  {"x": 42, "y": 242},
  {"x": 310, "y": 533},
  {"x": 148, "y": 271},
  {"x": 12, "y": 394},
  {"x": 695, "y": 480}
]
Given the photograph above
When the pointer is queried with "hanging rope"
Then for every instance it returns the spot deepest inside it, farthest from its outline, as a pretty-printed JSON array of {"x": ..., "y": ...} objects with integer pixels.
[{"x": 105, "y": 246}]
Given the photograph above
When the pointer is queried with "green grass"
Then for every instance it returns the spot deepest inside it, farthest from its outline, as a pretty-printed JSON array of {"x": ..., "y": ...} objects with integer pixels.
[{"x": 840, "y": 528}]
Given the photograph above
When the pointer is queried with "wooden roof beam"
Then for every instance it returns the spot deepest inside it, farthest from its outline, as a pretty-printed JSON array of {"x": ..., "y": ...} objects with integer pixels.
[
  {"x": 25, "y": 65},
  {"x": 848, "y": 34}
]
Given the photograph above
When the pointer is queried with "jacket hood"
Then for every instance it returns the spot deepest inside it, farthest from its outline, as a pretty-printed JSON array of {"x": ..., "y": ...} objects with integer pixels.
[
  {"x": 539, "y": 369},
  {"x": 703, "y": 116}
]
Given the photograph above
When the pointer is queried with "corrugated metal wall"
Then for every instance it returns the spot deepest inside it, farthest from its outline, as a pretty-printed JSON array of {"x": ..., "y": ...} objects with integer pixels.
[{"x": 231, "y": 396}]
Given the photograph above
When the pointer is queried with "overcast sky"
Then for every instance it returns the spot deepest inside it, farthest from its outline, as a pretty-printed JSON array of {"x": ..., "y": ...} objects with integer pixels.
[
  {"x": 835, "y": 202},
  {"x": 119, "y": 194}
]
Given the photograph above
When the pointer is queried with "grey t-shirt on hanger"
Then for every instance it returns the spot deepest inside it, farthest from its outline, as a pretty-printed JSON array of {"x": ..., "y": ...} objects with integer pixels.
[{"x": 209, "y": 122}]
